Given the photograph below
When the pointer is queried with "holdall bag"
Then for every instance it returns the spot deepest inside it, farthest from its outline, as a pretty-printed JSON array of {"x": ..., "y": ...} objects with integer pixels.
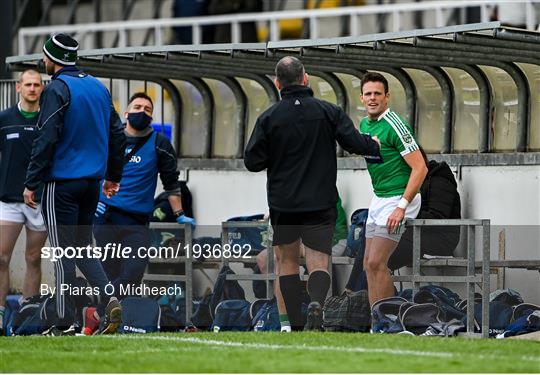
[
  {"x": 500, "y": 316},
  {"x": 385, "y": 315},
  {"x": 523, "y": 309},
  {"x": 173, "y": 313},
  {"x": 508, "y": 296},
  {"x": 140, "y": 315},
  {"x": 13, "y": 304},
  {"x": 529, "y": 322},
  {"x": 356, "y": 237},
  {"x": 232, "y": 315},
  {"x": 224, "y": 289},
  {"x": 417, "y": 318},
  {"x": 202, "y": 317},
  {"x": 35, "y": 315},
  {"x": 446, "y": 302},
  {"x": 267, "y": 317},
  {"x": 347, "y": 312}
]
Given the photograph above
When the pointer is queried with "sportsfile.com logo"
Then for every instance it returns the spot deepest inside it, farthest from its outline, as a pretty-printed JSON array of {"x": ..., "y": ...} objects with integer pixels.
[
  {"x": 117, "y": 251},
  {"x": 110, "y": 251}
]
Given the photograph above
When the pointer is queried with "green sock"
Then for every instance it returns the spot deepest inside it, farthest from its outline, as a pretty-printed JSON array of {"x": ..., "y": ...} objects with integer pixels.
[{"x": 284, "y": 320}]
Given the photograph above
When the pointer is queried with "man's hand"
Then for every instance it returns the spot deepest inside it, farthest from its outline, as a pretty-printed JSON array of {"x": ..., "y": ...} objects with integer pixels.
[
  {"x": 110, "y": 188},
  {"x": 395, "y": 220},
  {"x": 29, "y": 198},
  {"x": 183, "y": 219},
  {"x": 376, "y": 139}
]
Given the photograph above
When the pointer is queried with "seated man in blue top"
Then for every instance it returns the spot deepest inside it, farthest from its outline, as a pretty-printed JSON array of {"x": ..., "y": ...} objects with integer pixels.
[{"x": 123, "y": 219}]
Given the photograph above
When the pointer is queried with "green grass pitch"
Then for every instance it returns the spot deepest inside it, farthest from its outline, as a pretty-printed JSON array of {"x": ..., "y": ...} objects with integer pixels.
[{"x": 254, "y": 352}]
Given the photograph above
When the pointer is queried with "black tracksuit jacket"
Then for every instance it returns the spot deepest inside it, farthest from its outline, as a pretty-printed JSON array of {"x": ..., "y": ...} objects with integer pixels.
[{"x": 295, "y": 140}]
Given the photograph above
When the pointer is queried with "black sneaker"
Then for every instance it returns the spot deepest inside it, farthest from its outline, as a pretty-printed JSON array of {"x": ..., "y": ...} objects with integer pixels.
[
  {"x": 53, "y": 331},
  {"x": 314, "y": 317},
  {"x": 112, "y": 319}
]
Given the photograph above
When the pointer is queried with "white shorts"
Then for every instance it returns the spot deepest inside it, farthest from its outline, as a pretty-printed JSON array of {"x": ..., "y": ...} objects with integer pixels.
[
  {"x": 379, "y": 211},
  {"x": 21, "y": 213}
]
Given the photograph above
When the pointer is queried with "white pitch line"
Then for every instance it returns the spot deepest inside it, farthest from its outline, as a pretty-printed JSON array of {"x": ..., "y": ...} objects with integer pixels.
[{"x": 357, "y": 349}]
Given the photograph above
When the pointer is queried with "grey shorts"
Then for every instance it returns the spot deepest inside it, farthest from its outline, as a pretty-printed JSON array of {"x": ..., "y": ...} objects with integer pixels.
[
  {"x": 379, "y": 211},
  {"x": 373, "y": 230}
]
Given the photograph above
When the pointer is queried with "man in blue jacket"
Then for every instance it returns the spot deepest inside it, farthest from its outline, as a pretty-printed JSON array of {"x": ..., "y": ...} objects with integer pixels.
[
  {"x": 123, "y": 219},
  {"x": 80, "y": 142}
]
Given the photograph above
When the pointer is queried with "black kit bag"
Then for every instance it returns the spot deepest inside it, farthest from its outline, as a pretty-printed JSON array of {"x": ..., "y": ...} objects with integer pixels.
[
  {"x": 224, "y": 289},
  {"x": 347, "y": 312}
]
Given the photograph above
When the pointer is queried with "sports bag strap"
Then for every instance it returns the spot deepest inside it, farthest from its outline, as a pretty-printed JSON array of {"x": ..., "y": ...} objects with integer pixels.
[{"x": 140, "y": 142}]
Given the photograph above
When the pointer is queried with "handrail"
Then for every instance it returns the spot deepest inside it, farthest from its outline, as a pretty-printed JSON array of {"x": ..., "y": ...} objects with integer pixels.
[{"x": 313, "y": 15}]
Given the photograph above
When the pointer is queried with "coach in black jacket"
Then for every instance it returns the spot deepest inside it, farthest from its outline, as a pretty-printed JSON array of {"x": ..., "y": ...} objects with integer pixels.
[{"x": 295, "y": 141}]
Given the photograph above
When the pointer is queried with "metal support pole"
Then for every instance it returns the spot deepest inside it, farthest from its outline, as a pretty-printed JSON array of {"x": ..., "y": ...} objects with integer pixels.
[
  {"x": 241, "y": 109},
  {"x": 196, "y": 34},
  {"x": 270, "y": 270},
  {"x": 486, "y": 99},
  {"x": 208, "y": 102},
  {"x": 354, "y": 25},
  {"x": 274, "y": 30},
  {"x": 177, "y": 105},
  {"x": 471, "y": 271},
  {"x": 396, "y": 21},
  {"x": 502, "y": 256},
  {"x": 416, "y": 258},
  {"x": 485, "y": 277},
  {"x": 98, "y": 35},
  {"x": 313, "y": 28},
  {"x": 236, "y": 36},
  {"x": 224, "y": 241},
  {"x": 188, "y": 240},
  {"x": 447, "y": 106}
]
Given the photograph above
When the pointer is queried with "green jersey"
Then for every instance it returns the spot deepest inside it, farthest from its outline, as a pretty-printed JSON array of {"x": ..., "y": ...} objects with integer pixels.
[{"x": 390, "y": 177}]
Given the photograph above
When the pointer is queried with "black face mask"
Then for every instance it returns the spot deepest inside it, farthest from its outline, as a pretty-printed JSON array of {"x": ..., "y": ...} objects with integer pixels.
[{"x": 139, "y": 120}]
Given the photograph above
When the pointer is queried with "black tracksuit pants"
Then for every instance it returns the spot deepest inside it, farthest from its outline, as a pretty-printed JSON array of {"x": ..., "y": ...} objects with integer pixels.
[{"x": 68, "y": 209}]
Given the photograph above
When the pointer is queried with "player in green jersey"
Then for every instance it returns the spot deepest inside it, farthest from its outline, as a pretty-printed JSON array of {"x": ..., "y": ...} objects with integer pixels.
[{"x": 396, "y": 183}]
